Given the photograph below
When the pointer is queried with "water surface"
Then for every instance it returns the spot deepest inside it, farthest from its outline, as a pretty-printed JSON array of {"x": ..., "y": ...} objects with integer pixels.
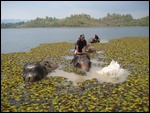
[{"x": 23, "y": 39}]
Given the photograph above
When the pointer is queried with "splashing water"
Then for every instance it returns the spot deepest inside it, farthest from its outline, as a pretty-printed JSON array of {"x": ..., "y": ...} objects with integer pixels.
[{"x": 112, "y": 73}]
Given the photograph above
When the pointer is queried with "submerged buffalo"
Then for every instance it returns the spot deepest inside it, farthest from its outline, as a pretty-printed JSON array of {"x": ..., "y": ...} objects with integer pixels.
[
  {"x": 93, "y": 40},
  {"x": 37, "y": 70},
  {"x": 90, "y": 48},
  {"x": 82, "y": 61}
]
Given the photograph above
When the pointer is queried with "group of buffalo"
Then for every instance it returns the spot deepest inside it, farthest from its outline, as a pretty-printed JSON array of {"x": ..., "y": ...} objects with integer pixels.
[{"x": 38, "y": 70}]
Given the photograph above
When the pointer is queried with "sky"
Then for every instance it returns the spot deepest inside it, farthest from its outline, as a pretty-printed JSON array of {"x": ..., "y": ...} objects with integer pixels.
[{"x": 62, "y": 9}]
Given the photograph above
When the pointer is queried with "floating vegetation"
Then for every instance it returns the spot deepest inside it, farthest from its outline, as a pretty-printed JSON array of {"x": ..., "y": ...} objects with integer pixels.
[{"x": 55, "y": 93}]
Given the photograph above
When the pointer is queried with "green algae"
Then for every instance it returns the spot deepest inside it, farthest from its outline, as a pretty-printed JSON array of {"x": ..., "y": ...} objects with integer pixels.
[{"x": 90, "y": 96}]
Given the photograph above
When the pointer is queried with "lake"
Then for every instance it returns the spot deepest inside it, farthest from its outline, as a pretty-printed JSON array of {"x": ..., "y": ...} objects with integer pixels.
[{"x": 23, "y": 39}]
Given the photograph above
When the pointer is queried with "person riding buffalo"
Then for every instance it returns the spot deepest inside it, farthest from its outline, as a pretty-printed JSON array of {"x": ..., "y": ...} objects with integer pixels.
[
  {"x": 97, "y": 38},
  {"x": 81, "y": 45},
  {"x": 81, "y": 58}
]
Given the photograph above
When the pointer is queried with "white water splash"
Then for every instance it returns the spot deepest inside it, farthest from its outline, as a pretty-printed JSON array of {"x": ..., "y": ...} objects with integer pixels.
[{"x": 112, "y": 73}]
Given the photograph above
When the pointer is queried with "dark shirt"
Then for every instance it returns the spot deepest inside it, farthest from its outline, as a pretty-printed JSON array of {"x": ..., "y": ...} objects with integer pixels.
[
  {"x": 81, "y": 44},
  {"x": 96, "y": 37}
]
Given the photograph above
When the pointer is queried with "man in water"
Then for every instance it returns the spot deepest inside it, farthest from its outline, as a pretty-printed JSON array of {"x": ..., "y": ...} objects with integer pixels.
[
  {"x": 81, "y": 59},
  {"x": 96, "y": 38},
  {"x": 81, "y": 45}
]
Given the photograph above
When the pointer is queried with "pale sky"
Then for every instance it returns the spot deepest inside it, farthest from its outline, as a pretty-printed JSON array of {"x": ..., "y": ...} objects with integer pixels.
[{"x": 62, "y": 9}]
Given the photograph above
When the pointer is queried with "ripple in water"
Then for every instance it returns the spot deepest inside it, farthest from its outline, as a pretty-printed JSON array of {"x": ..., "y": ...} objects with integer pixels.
[{"x": 112, "y": 73}]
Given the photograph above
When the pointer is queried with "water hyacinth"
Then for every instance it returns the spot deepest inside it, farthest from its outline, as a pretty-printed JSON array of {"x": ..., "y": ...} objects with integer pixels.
[{"x": 57, "y": 93}]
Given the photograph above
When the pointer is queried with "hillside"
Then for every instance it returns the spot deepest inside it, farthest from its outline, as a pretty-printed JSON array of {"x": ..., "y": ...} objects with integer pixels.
[
  {"x": 81, "y": 20},
  {"x": 13, "y": 20}
]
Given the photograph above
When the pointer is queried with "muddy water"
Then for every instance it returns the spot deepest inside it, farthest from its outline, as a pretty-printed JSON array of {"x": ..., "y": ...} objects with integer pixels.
[
  {"x": 96, "y": 71},
  {"x": 93, "y": 73}
]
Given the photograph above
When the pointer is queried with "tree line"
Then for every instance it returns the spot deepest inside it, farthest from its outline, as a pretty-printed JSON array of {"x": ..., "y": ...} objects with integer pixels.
[{"x": 81, "y": 20}]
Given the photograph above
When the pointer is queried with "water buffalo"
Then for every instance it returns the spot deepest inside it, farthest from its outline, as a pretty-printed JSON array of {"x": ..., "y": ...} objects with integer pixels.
[
  {"x": 82, "y": 61},
  {"x": 93, "y": 40},
  {"x": 48, "y": 65},
  {"x": 37, "y": 71},
  {"x": 90, "y": 48}
]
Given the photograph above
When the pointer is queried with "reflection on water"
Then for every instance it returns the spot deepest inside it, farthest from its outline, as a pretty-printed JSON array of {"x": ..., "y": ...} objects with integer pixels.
[
  {"x": 68, "y": 57},
  {"x": 72, "y": 50},
  {"x": 70, "y": 76},
  {"x": 104, "y": 41},
  {"x": 100, "y": 52}
]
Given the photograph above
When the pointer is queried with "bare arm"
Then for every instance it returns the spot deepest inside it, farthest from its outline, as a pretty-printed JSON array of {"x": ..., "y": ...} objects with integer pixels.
[
  {"x": 84, "y": 49},
  {"x": 77, "y": 48}
]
